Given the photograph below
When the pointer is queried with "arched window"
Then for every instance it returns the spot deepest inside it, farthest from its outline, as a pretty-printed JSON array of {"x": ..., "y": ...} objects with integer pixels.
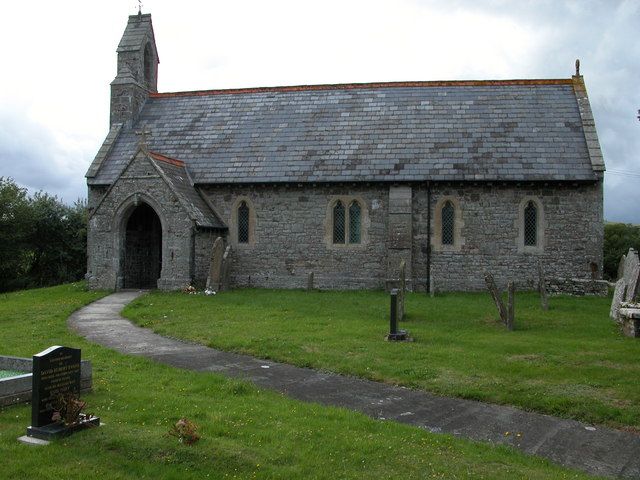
[
  {"x": 354, "y": 222},
  {"x": 348, "y": 216},
  {"x": 338, "y": 223},
  {"x": 448, "y": 223},
  {"x": 531, "y": 224},
  {"x": 243, "y": 222}
]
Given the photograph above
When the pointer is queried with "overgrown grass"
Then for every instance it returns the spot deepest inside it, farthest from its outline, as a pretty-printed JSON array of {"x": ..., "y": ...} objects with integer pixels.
[
  {"x": 246, "y": 433},
  {"x": 569, "y": 361}
]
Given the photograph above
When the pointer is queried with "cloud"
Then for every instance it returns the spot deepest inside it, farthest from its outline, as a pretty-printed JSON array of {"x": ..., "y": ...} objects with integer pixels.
[
  {"x": 32, "y": 155},
  {"x": 54, "y": 94}
]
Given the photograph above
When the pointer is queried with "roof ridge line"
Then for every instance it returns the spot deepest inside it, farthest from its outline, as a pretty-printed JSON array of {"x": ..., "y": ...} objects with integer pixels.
[{"x": 362, "y": 86}]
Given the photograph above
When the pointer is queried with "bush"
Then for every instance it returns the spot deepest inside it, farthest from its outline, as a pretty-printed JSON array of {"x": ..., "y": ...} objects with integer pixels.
[
  {"x": 618, "y": 238},
  {"x": 42, "y": 240}
]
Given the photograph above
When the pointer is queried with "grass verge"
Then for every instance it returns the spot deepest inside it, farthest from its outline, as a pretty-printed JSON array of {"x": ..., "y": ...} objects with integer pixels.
[
  {"x": 568, "y": 361},
  {"x": 246, "y": 433}
]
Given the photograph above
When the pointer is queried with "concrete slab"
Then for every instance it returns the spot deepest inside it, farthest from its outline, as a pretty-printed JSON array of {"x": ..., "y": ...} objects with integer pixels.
[
  {"x": 595, "y": 450},
  {"x": 27, "y": 440}
]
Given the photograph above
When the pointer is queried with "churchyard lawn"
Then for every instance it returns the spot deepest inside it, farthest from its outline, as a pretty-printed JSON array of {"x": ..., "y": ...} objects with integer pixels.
[
  {"x": 246, "y": 433},
  {"x": 569, "y": 361}
]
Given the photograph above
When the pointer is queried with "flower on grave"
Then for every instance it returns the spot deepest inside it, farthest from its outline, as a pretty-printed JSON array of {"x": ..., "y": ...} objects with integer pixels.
[{"x": 185, "y": 431}]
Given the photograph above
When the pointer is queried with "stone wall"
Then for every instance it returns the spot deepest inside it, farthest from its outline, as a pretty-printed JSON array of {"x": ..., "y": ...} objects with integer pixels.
[
  {"x": 202, "y": 258},
  {"x": 139, "y": 183},
  {"x": 577, "y": 286},
  {"x": 572, "y": 235},
  {"x": 292, "y": 236}
]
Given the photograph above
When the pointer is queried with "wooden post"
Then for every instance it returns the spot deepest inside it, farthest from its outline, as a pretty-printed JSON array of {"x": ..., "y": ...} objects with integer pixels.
[
  {"x": 495, "y": 294},
  {"x": 511, "y": 305},
  {"x": 310, "y": 281}
]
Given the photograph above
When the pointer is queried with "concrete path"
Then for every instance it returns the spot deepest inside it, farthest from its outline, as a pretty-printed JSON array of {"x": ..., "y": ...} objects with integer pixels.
[{"x": 577, "y": 445}]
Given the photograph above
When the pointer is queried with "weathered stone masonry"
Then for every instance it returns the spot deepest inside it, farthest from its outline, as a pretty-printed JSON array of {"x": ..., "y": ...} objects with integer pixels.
[
  {"x": 490, "y": 150},
  {"x": 572, "y": 232},
  {"x": 291, "y": 226},
  {"x": 141, "y": 183},
  {"x": 293, "y": 236}
]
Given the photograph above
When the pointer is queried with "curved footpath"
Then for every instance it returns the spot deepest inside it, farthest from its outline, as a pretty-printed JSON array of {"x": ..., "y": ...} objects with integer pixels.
[{"x": 598, "y": 451}]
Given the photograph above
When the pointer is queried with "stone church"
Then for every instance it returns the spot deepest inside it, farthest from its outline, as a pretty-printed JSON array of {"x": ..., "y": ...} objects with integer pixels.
[{"x": 457, "y": 178}]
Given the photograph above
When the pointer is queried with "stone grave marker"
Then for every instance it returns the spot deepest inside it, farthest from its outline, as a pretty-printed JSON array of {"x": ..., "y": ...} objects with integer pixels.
[
  {"x": 215, "y": 270},
  {"x": 56, "y": 371},
  {"x": 226, "y": 268},
  {"x": 632, "y": 285},
  {"x": 56, "y": 374},
  {"x": 621, "y": 267},
  {"x": 497, "y": 298},
  {"x": 618, "y": 297},
  {"x": 631, "y": 273}
]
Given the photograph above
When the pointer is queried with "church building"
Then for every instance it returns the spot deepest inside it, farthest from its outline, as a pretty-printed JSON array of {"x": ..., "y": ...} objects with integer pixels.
[{"x": 456, "y": 178}]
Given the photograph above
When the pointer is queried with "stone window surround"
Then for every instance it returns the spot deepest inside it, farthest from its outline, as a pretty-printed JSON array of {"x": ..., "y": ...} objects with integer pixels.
[
  {"x": 233, "y": 223},
  {"x": 458, "y": 239},
  {"x": 540, "y": 225},
  {"x": 364, "y": 222}
]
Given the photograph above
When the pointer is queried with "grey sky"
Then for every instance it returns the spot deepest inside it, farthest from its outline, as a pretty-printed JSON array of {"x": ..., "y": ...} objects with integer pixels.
[{"x": 59, "y": 58}]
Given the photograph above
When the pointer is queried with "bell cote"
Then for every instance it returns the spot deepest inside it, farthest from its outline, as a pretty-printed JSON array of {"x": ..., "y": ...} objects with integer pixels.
[{"x": 137, "y": 74}]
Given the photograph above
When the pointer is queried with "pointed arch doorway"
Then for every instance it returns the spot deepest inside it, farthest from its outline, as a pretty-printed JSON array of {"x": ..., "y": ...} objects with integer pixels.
[{"x": 142, "y": 255}]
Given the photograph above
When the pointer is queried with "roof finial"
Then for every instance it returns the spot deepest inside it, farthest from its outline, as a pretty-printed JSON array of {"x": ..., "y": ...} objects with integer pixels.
[
  {"x": 139, "y": 8},
  {"x": 577, "y": 67}
]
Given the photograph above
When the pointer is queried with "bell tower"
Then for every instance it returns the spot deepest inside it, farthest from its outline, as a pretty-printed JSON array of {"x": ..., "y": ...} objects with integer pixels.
[{"x": 137, "y": 70}]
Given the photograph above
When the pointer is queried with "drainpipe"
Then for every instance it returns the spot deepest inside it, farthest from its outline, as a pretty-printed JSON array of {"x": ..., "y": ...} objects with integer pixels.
[
  {"x": 428, "y": 289},
  {"x": 192, "y": 255}
]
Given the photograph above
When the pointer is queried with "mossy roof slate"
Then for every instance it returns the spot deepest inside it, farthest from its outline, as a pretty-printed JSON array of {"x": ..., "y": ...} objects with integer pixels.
[{"x": 438, "y": 131}]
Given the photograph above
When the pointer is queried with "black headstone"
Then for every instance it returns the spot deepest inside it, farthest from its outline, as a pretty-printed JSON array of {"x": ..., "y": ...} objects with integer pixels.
[{"x": 56, "y": 372}]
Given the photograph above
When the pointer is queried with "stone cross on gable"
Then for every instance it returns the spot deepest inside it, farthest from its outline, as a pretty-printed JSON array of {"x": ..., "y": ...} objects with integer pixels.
[{"x": 144, "y": 134}]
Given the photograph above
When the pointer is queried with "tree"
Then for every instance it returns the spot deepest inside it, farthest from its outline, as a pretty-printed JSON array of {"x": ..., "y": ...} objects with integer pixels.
[
  {"x": 15, "y": 223},
  {"x": 42, "y": 240},
  {"x": 618, "y": 238}
]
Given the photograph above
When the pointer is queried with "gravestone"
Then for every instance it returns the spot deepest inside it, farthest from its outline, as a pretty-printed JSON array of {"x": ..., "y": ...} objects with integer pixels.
[
  {"x": 624, "y": 305},
  {"x": 618, "y": 297},
  {"x": 226, "y": 268},
  {"x": 56, "y": 371},
  {"x": 630, "y": 274},
  {"x": 497, "y": 298},
  {"x": 56, "y": 374},
  {"x": 621, "y": 267},
  {"x": 214, "y": 279}
]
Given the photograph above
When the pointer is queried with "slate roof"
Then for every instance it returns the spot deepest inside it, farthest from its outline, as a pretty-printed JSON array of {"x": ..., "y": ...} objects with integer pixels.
[
  {"x": 177, "y": 177},
  {"x": 522, "y": 130}
]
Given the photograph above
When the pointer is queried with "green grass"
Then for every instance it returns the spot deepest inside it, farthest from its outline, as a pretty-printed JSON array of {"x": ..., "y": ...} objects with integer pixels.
[
  {"x": 10, "y": 373},
  {"x": 569, "y": 361},
  {"x": 246, "y": 433}
]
